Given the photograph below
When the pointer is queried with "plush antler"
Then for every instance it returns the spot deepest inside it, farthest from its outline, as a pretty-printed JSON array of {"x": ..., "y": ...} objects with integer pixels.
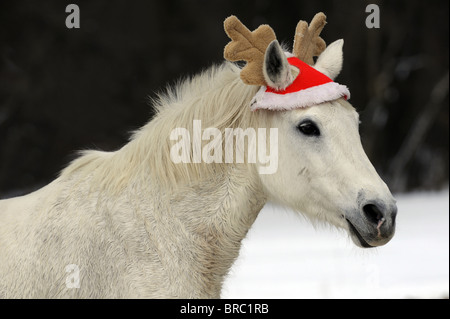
[
  {"x": 248, "y": 46},
  {"x": 307, "y": 42}
]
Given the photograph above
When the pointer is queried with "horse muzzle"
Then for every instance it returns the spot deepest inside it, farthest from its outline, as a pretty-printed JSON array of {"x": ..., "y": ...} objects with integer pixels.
[{"x": 373, "y": 224}]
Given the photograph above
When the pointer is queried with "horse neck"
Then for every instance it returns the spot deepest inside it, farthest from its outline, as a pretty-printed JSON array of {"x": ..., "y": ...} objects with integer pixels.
[
  {"x": 205, "y": 209},
  {"x": 208, "y": 220},
  {"x": 224, "y": 207}
]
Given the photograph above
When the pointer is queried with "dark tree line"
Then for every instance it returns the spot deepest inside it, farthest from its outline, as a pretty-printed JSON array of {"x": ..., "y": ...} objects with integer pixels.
[{"x": 62, "y": 90}]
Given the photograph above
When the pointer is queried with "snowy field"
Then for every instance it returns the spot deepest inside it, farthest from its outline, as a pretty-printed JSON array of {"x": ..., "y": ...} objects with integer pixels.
[{"x": 284, "y": 256}]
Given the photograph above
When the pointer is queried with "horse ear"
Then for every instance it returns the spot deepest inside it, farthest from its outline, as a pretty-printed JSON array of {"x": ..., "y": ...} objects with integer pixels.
[
  {"x": 330, "y": 61},
  {"x": 276, "y": 68}
]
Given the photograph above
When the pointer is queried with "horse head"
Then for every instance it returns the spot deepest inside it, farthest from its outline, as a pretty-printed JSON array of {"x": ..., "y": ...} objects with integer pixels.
[{"x": 323, "y": 171}]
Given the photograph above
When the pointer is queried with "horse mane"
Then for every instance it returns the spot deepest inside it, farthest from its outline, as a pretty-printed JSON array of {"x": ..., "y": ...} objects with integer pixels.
[{"x": 216, "y": 96}]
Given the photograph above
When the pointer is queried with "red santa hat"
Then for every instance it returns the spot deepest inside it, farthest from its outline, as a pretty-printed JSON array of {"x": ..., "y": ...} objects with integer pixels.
[{"x": 309, "y": 88}]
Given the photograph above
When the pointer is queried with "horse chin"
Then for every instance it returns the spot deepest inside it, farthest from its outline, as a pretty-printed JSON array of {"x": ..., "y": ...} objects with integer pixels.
[{"x": 357, "y": 238}]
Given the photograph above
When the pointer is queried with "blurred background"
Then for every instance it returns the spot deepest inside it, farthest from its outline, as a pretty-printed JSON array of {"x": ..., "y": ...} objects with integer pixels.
[{"x": 62, "y": 90}]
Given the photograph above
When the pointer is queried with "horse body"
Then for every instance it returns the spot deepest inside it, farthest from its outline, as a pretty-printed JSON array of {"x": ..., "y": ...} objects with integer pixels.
[
  {"x": 131, "y": 245},
  {"x": 128, "y": 239},
  {"x": 44, "y": 232},
  {"x": 133, "y": 223}
]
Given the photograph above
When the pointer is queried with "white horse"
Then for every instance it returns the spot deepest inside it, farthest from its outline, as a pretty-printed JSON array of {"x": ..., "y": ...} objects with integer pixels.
[{"x": 133, "y": 223}]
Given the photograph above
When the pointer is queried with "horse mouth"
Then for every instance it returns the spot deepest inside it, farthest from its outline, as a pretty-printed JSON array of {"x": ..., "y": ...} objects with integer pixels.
[{"x": 355, "y": 233}]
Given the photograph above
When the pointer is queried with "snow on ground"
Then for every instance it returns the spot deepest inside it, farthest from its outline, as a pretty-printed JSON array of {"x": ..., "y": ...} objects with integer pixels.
[{"x": 284, "y": 256}]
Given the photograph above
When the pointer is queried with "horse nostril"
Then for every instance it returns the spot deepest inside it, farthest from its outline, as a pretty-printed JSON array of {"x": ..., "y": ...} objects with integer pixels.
[{"x": 372, "y": 213}]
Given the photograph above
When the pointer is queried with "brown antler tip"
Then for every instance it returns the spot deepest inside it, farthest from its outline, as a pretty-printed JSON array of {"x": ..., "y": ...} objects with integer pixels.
[
  {"x": 320, "y": 15},
  {"x": 319, "y": 21},
  {"x": 230, "y": 23},
  {"x": 307, "y": 41},
  {"x": 248, "y": 46}
]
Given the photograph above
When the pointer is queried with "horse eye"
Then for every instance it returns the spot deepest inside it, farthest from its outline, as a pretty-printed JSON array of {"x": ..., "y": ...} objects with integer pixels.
[{"x": 309, "y": 128}]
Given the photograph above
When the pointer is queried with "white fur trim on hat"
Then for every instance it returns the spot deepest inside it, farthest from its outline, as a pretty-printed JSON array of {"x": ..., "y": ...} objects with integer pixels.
[{"x": 308, "y": 97}]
